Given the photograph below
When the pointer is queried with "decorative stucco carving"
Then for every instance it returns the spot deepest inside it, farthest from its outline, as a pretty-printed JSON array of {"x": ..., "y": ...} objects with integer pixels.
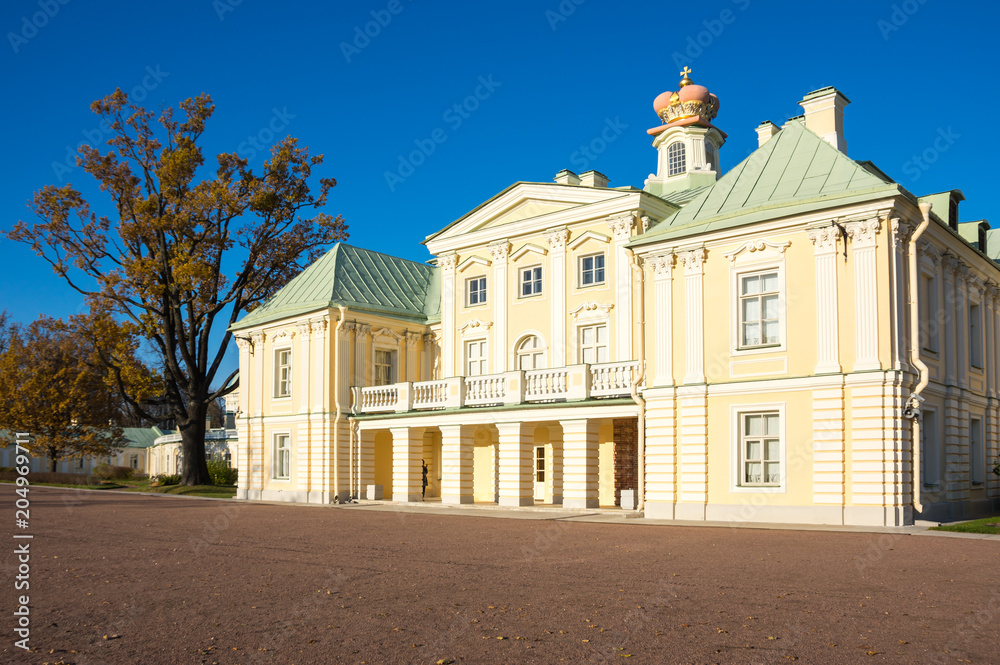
[
  {"x": 475, "y": 326},
  {"x": 592, "y": 307},
  {"x": 448, "y": 262},
  {"x": 863, "y": 233},
  {"x": 693, "y": 260},
  {"x": 557, "y": 239},
  {"x": 825, "y": 239},
  {"x": 757, "y": 246},
  {"x": 661, "y": 264},
  {"x": 621, "y": 226},
  {"x": 500, "y": 251}
]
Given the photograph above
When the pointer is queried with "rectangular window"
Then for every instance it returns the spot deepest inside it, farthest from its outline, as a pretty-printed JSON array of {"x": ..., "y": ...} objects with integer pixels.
[
  {"x": 385, "y": 367},
  {"x": 975, "y": 336},
  {"x": 282, "y": 456},
  {"x": 531, "y": 281},
  {"x": 476, "y": 289},
  {"x": 759, "y": 322},
  {"x": 978, "y": 457},
  {"x": 931, "y": 458},
  {"x": 283, "y": 373},
  {"x": 79, "y": 462},
  {"x": 475, "y": 358},
  {"x": 929, "y": 313},
  {"x": 760, "y": 449},
  {"x": 133, "y": 461},
  {"x": 592, "y": 270},
  {"x": 594, "y": 344}
]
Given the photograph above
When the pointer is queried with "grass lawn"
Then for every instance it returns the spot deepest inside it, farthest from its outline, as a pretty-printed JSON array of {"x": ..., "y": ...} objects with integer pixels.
[
  {"x": 102, "y": 486},
  {"x": 975, "y": 526},
  {"x": 213, "y": 491}
]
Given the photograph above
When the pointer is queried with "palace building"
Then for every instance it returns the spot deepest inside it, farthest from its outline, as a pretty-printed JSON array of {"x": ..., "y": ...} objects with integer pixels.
[{"x": 799, "y": 339}]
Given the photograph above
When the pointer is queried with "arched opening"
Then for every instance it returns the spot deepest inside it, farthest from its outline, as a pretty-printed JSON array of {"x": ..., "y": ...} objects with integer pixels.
[
  {"x": 530, "y": 353},
  {"x": 676, "y": 159}
]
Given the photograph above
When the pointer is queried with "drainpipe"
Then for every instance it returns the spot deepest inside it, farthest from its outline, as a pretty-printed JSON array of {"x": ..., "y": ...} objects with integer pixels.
[
  {"x": 639, "y": 400},
  {"x": 336, "y": 401},
  {"x": 912, "y": 409}
]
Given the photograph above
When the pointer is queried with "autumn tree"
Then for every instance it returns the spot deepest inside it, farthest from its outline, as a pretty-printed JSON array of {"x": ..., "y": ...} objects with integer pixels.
[
  {"x": 185, "y": 252},
  {"x": 58, "y": 387}
]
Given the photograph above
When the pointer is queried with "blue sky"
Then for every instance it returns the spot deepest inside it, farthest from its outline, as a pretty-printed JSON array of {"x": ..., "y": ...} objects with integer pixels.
[{"x": 535, "y": 83}]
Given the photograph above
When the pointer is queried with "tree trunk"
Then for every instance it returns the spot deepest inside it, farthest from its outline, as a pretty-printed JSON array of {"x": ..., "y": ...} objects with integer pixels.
[{"x": 195, "y": 468}]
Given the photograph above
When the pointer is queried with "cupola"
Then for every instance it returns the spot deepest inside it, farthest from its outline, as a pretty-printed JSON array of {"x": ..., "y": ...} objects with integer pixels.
[{"x": 686, "y": 141}]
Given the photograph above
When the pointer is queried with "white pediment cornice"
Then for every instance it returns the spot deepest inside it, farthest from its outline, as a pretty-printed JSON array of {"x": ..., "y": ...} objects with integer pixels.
[
  {"x": 473, "y": 260},
  {"x": 528, "y": 247},
  {"x": 589, "y": 235}
]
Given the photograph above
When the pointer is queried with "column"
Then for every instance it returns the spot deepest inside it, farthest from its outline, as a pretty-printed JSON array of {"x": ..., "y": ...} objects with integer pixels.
[
  {"x": 694, "y": 272},
  {"x": 828, "y": 452},
  {"x": 621, "y": 229},
  {"x": 557, "y": 345},
  {"x": 447, "y": 263},
  {"x": 947, "y": 340},
  {"x": 306, "y": 448},
  {"x": 412, "y": 368},
  {"x": 827, "y": 332},
  {"x": 692, "y": 402},
  {"x": 556, "y": 466},
  {"x": 456, "y": 463},
  {"x": 257, "y": 442},
  {"x": 500, "y": 251},
  {"x": 362, "y": 365},
  {"x": 407, "y": 474},
  {"x": 516, "y": 464},
  {"x": 863, "y": 235},
  {"x": 663, "y": 327},
  {"x": 962, "y": 350},
  {"x": 580, "y": 450},
  {"x": 900, "y": 238},
  {"x": 243, "y": 421},
  {"x": 366, "y": 462}
]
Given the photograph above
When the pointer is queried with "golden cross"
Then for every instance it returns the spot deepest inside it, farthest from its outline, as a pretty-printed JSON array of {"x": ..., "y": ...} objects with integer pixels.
[{"x": 685, "y": 71}]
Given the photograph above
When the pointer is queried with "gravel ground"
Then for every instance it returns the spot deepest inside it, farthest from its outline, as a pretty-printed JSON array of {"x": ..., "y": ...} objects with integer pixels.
[{"x": 119, "y": 578}]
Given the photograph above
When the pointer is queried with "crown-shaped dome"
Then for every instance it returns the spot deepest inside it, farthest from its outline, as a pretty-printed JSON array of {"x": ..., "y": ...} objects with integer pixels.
[{"x": 690, "y": 101}]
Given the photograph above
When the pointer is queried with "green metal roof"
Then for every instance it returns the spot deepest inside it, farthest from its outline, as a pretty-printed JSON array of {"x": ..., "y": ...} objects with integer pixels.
[
  {"x": 358, "y": 279},
  {"x": 141, "y": 437},
  {"x": 796, "y": 170}
]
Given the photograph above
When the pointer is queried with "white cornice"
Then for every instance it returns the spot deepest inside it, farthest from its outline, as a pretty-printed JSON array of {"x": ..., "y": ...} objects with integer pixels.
[
  {"x": 528, "y": 247},
  {"x": 473, "y": 259},
  {"x": 589, "y": 235}
]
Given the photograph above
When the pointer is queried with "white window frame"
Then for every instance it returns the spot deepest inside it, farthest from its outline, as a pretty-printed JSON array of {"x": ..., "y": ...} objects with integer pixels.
[
  {"x": 581, "y": 271},
  {"x": 579, "y": 340},
  {"x": 484, "y": 298},
  {"x": 393, "y": 364},
  {"x": 133, "y": 461},
  {"x": 976, "y": 335},
  {"x": 281, "y": 380},
  {"x": 930, "y": 439},
  {"x": 483, "y": 360},
  {"x": 677, "y": 162},
  {"x": 977, "y": 451},
  {"x": 521, "y": 281},
  {"x": 540, "y": 350},
  {"x": 736, "y": 273},
  {"x": 278, "y": 451},
  {"x": 737, "y": 412}
]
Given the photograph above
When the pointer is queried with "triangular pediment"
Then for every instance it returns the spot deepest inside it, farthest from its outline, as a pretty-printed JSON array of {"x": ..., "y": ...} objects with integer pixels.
[{"x": 525, "y": 201}]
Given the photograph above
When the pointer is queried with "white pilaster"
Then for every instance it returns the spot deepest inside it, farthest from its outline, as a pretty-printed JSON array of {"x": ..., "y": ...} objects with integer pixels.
[
  {"x": 950, "y": 264},
  {"x": 362, "y": 369},
  {"x": 962, "y": 326},
  {"x": 456, "y": 463},
  {"x": 663, "y": 326},
  {"x": 500, "y": 252},
  {"x": 580, "y": 463},
  {"x": 412, "y": 369},
  {"x": 827, "y": 332},
  {"x": 863, "y": 234},
  {"x": 557, "y": 244},
  {"x": 447, "y": 263},
  {"x": 302, "y": 392},
  {"x": 901, "y": 231},
  {"x": 407, "y": 476},
  {"x": 694, "y": 264},
  {"x": 621, "y": 229}
]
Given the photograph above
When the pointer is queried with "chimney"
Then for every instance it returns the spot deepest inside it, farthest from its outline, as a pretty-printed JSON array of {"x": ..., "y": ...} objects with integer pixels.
[
  {"x": 825, "y": 115},
  {"x": 765, "y": 131},
  {"x": 593, "y": 179},
  {"x": 567, "y": 177}
]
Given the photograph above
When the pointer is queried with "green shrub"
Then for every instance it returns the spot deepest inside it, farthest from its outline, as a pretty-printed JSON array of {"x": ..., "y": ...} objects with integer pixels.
[
  {"x": 168, "y": 479},
  {"x": 222, "y": 473},
  {"x": 58, "y": 477},
  {"x": 109, "y": 472}
]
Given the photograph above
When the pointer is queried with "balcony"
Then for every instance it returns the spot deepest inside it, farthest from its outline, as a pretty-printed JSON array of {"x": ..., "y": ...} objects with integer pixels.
[{"x": 561, "y": 384}]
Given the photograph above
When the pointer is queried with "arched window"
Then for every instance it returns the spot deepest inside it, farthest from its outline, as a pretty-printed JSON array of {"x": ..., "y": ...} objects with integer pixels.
[
  {"x": 676, "y": 162},
  {"x": 531, "y": 353},
  {"x": 712, "y": 155}
]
